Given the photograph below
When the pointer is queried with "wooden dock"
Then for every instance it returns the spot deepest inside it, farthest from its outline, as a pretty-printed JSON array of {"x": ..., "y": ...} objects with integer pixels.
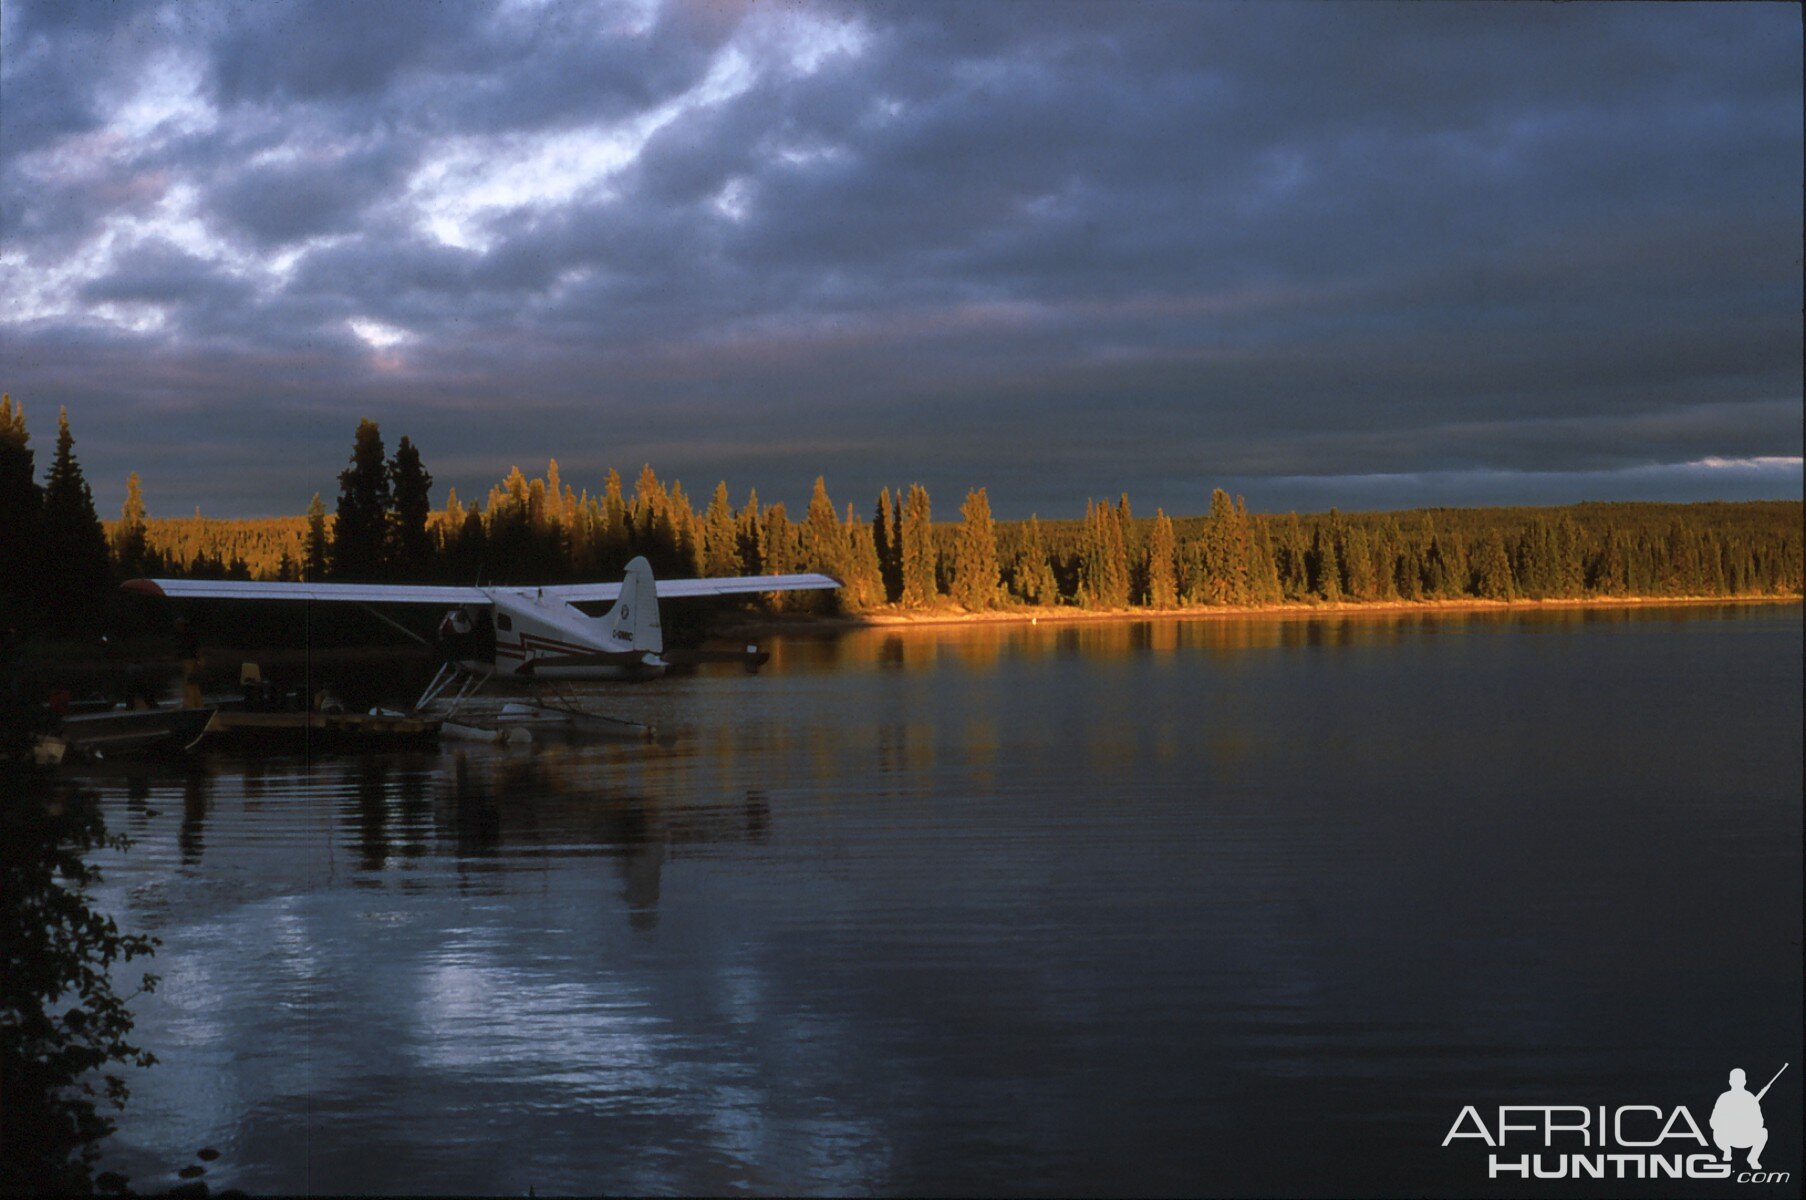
[{"x": 288, "y": 731}]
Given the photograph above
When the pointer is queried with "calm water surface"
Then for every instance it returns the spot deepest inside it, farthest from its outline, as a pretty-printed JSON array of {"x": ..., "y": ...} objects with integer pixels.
[{"x": 1246, "y": 906}]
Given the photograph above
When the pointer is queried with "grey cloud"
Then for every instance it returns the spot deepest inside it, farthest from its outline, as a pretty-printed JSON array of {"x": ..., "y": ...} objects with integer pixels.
[{"x": 314, "y": 195}]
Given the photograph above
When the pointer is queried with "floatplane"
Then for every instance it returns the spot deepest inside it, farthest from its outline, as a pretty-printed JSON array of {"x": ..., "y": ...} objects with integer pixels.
[{"x": 523, "y": 635}]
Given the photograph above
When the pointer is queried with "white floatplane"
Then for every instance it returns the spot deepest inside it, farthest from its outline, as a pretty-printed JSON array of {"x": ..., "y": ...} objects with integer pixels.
[{"x": 525, "y": 634}]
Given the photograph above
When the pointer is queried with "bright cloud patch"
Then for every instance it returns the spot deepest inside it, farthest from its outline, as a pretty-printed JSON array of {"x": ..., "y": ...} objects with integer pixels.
[{"x": 378, "y": 335}]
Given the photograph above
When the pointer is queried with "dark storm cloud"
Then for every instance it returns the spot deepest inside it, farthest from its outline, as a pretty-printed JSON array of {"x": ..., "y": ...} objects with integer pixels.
[{"x": 1060, "y": 250}]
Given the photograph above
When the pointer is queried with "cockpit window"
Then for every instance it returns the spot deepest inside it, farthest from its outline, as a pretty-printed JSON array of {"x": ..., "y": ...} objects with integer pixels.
[{"x": 504, "y": 622}]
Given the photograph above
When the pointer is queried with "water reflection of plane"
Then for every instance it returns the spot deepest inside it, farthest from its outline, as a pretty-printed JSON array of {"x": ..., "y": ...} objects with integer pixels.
[{"x": 557, "y": 806}]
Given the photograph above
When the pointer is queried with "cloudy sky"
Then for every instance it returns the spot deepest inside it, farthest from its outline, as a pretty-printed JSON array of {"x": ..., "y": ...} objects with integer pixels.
[{"x": 1320, "y": 254}]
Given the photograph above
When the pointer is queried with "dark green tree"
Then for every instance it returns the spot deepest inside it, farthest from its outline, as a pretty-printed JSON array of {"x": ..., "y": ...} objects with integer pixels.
[
  {"x": 410, "y": 486},
  {"x": 1162, "y": 567},
  {"x": 21, "y": 513},
  {"x": 886, "y": 542},
  {"x": 76, "y": 571},
  {"x": 975, "y": 577},
  {"x": 721, "y": 542},
  {"x": 129, "y": 535},
  {"x": 64, "y": 1031},
  {"x": 360, "y": 534},
  {"x": 864, "y": 588},
  {"x": 919, "y": 587},
  {"x": 1492, "y": 570},
  {"x": 749, "y": 536},
  {"x": 319, "y": 544},
  {"x": 1033, "y": 578},
  {"x": 1105, "y": 565},
  {"x": 824, "y": 542}
]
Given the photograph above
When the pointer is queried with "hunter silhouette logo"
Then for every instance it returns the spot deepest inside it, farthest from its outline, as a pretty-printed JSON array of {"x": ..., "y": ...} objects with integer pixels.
[{"x": 1737, "y": 1119}]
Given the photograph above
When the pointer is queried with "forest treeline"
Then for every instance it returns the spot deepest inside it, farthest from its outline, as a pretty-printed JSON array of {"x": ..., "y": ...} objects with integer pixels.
[{"x": 546, "y": 529}]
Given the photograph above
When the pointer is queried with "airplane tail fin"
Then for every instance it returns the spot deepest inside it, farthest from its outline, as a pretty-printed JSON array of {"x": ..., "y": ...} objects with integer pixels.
[{"x": 634, "y": 618}]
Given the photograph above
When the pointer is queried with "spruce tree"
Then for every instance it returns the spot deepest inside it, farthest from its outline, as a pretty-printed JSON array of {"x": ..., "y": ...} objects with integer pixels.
[
  {"x": 615, "y": 537},
  {"x": 410, "y": 485},
  {"x": 1163, "y": 583},
  {"x": 129, "y": 534},
  {"x": 778, "y": 541},
  {"x": 864, "y": 588},
  {"x": 975, "y": 558},
  {"x": 319, "y": 545},
  {"x": 824, "y": 543},
  {"x": 686, "y": 535},
  {"x": 1106, "y": 559},
  {"x": 21, "y": 515},
  {"x": 749, "y": 536},
  {"x": 76, "y": 569},
  {"x": 1033, "y": 577},
  {"x": 721, "y": 542},
  {"x": 1492, "y": 570},
  {"x": 360, "y": 536},
  {"x": 1264, "y": 587},
  {"x": 919, "y": 588},
  {"x": 885, "y": 543}
]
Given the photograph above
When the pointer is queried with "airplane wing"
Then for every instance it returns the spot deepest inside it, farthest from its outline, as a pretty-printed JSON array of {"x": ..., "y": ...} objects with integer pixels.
[
  {"x": 352, "y": 593},
  {"x": 407, "y": 593},
  {"x": 673, "y": 589}
]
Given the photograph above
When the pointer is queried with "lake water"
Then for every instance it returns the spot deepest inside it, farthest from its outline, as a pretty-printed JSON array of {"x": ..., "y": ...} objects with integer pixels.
[{"x": 1245, "y": 906}]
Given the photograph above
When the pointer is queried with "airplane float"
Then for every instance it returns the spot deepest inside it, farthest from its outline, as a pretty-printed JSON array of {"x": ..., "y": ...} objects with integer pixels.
[{"x": 525, "y": 634}]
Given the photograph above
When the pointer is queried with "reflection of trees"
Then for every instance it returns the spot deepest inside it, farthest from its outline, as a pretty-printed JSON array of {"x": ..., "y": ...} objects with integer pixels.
[
  {"x": 552, "y": 804},
  {"x": 372, "y": 813},
  {"x": 197, "y": 798},
  {"x": 980, "y": 646}
]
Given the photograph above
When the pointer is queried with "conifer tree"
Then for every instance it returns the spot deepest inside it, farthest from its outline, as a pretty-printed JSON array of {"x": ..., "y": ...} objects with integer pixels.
[
  {"x": 615, "y": 537},
  {"x": 721, "y": 542},
  {"x": 1290, "y": 559},
  {"x": 1492, "y": 570},
  {"x": 76, "y": 570},
  {"x": 919, "y": 587},
  {"x": 1162, "y": 565},
  {"x": 975, "y": 558},
  {"x": 360, "y": 535},
  {"x": 1357, "y": 564},
  {"x": 129, "y": 534},
  {"x": 885, "y": 542},
  {"x": 411, "y": 485},
  {"x": 749, "y": 536},
  {"x": 1325, "y": 564},
  {"x": 319, "y": 546},
  {"x": 649, "y": 502},
  {"x": 1033, "y": 577},
  {"x": 864, "y": 588},
  {"x": 1263, "y": 573},
  {"x": 824, "y": 544},
  {"x": 1106, "y": 561},
  {"x": 778, "y": 541},
  {"x": 21, "y": 510},
  {"x": 686, "y": 537},
  {"x": 555, "y": 498}
]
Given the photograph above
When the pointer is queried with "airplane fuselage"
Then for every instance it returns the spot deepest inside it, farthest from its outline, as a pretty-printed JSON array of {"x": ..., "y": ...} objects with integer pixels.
[{"x": 533, "y": 633}]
